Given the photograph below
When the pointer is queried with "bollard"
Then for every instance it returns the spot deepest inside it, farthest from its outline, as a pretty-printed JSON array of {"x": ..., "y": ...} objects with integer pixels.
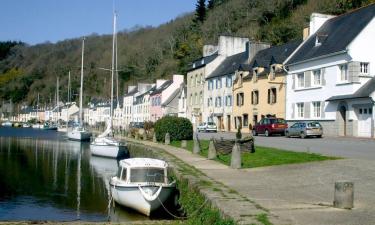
[
  {"x": 212, "y": 150},
  {"x": 197, "y": 148},
  {"x": 235, "y": 162},
  {"x": 344, "y": 195},
  {"x": 167, "y": 139},
  {"x": 154, "y": 138},
  {"x": 183, "y": 143}
]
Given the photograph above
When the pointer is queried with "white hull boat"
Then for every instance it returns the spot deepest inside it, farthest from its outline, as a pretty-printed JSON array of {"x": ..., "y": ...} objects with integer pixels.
[
  {"x": 142, "y": 184},
  {"x": 62, "y": 129},
  {"x": 7, "y": 124},
  {"x": 37, "y": 126},
  {"x": 79, "y": 134},
  {"x": 108, "y": 147}
]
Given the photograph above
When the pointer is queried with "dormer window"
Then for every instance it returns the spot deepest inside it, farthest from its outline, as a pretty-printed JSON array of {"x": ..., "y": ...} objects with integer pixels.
[
  {"x": 193, "y": 65},
  {"x": 319, "y": 39},
  {"x": 202, "y": 62}
]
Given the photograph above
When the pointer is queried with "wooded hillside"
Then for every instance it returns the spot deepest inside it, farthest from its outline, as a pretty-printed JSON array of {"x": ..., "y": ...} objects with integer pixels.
[{"x": 148, "y": 53}]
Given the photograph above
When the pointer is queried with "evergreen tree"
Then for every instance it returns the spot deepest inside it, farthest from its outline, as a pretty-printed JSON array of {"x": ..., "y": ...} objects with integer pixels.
[
  {"x": 211, "y": 4},
  {"x": 200, "y": 10}
]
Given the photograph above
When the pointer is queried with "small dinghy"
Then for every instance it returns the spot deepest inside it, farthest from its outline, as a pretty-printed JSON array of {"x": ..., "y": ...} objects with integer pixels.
[{"x": 142, "y": 184}]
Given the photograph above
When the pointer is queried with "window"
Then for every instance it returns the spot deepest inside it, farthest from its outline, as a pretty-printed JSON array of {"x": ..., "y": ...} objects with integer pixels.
[
  {"x": 209, "y": 102},
  {"x": 218, "y": 102},
  {"x": 218, "y": 83},
  {"x": 316, "y": 109},
  {"x": 364, "y": 68},
  {"x": 317, "y": 77},
  {"x": 201, "y": 98},
  {"x": 240, "y": 99},
  {"x": 255, "y": 97},
  {"x": 271, "y": 96},
  {"x": 300, "y": 110},
  {"x": 196, "y": 99},
  {"x": 229, "y": 81},
  {"x": 300, "y": 80},
  {"x": 229, "y": 100},
  {"x": 245, "y": 120},
  {"x": 191, "y": 99},
  {"x": 196, "y": 80},
  {"x": 343, "y": 72},
  {"x": 147, "y": 175},
  {"x": 123, "y": 174}
]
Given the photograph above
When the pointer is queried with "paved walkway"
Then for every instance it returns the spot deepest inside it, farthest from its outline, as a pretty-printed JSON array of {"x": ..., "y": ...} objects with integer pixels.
[{"x": 296, "y": 194}]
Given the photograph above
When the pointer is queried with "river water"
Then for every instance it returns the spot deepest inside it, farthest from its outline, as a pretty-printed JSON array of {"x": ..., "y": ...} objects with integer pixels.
[{"x": 44, "y": 176}]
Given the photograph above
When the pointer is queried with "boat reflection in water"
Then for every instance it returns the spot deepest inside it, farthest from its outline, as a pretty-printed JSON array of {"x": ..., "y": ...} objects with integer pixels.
[{"x": 54, "y": 180}]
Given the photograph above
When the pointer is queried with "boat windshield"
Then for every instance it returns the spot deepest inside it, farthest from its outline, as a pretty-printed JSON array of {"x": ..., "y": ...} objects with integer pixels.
[{"x": 147, "y": 175}]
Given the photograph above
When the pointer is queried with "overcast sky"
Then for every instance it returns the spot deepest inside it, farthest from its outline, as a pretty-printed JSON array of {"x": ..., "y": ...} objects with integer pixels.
[{"x": 38, "y": 21}]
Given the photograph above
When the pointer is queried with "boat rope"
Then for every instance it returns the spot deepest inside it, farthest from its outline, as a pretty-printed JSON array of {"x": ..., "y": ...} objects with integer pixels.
[
  {"x": 183, "y": 217},
  {"x": 149, "y": 197}
]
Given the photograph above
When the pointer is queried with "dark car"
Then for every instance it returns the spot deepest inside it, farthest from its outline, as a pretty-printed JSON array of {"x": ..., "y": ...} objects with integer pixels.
[{"x": 269, "y": 126}]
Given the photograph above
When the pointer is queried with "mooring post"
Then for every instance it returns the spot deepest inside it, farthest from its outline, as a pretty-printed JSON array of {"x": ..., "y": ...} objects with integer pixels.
[
  {"x": 235, "y": 162},
  {"x": 212, "y": 150},
  {"x": 183, "y": 143},
  {"x": 167, "y": 139},
  {"x": 344, "y": 195},
  {"x": 154, "y": 138}
]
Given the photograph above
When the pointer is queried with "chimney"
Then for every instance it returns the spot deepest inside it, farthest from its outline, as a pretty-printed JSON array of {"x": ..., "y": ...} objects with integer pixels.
[
  {"x": 209, "y": 50},
  {"x": 306, "y": 33},
  {"x": 316, "y": 21},
  {"x": 131, "y": 88},
  {"x": 229, "y": 45},
  {"x": 252, "y": 48}
]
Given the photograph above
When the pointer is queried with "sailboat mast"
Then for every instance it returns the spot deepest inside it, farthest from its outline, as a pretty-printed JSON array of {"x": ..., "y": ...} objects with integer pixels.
[
  {"x": 116, "y": 72},
  {"x": 69, "y": 87},
  {"x": 81, "y": 89},
  {"x": 57, "y": 100},
  {"x": 113, "y": 64},
  {"x": 67, "y": 106}
]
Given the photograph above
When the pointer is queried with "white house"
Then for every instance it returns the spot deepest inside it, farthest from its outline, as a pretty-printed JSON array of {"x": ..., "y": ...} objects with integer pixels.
[
  {"x": 141, "y": 103},
  {"x": 331, "y": 74},
  {"x": 128, "y": 105},
  {"x": 182, "y": 107}
]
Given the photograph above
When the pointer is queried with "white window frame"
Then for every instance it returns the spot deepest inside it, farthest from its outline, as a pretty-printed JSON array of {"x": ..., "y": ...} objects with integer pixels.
[
  {"x": 364, "y": 68},
  {"x": 343, "y": 74},
  {"x": 315, "y": 81},
  {"x": 316, "y": 109},
  {"x": 300, "y": 80},
  {"x": 300, "y": 109}
]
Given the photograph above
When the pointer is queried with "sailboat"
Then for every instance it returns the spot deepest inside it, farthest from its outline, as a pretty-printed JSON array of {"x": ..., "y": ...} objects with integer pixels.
[
  {"x": 105, "y": 144},
  {"x": 79, "y": 133},
  {"x": 64, "y": 128}
]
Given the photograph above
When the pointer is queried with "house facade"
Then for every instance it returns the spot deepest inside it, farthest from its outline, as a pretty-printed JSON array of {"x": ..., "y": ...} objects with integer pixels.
[
  {"x": 259, "y": 87},
  {"x": 128, "y": 105},
  {"x": 331, "y": 75},
  {"x": 182, "y": 107}
]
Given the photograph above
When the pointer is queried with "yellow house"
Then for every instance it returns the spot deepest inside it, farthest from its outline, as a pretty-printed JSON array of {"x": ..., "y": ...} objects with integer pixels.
[{"x": 259, "y": 87}]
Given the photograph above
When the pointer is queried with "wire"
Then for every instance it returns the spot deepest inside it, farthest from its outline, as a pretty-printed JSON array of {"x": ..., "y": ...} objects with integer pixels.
[{"x": 182, "y": 217}]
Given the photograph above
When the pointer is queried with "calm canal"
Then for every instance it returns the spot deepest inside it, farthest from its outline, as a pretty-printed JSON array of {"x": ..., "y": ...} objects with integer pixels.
[{"x": 44, "y": 176}]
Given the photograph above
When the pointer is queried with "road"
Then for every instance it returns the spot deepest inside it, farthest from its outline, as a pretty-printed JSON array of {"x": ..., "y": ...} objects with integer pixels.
[{"x": 353, "y": 148}]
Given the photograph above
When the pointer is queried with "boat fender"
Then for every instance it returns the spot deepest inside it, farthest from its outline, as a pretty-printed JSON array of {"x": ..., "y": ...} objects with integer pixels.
[{"x": 150, "y": 197}]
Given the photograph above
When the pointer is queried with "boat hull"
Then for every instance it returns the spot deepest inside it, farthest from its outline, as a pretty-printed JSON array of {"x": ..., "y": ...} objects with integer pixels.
[
  {"x": 79, "y": 135},
  {"x": 132, "y": 197},
  {"x": 109, "y": 151}
]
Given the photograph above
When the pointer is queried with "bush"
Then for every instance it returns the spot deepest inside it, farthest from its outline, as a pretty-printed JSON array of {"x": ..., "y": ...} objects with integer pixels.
[{"x": 177, "y": 127}]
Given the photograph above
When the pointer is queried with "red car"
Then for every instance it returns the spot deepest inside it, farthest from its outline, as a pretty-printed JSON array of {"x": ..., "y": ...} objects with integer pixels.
[{"x": 269, "y": 126}]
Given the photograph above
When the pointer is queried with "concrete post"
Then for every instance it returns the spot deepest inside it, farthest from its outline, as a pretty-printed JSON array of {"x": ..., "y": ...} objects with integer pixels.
[
  {"x": 183, "y": 143},
  {"x": 154, "y": 138},
  {"x": 235, "y": 162},
  {"x": 197, "y": 148},
  {"x": 344, "y": 195},
  {"x": 167, "y": 139},
  {"x": 212, "y": 150}
]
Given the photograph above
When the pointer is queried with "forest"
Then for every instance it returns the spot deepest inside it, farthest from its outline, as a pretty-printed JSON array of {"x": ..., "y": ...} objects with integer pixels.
[{"x": 149, "y": 53}]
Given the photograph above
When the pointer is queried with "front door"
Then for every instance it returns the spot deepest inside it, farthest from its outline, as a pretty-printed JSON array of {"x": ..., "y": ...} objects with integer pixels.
[{"x": 228, "y": 123}]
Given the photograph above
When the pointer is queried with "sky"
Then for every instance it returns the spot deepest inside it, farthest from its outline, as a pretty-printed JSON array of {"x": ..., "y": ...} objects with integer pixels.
[{"x": 39, "y": 21}]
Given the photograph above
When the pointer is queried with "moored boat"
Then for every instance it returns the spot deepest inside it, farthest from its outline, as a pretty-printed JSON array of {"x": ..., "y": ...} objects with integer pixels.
[
  {"x": 7, "y": 124},
  {"x": 142, "y": 184},
  {"x": 79, "y": 134}
]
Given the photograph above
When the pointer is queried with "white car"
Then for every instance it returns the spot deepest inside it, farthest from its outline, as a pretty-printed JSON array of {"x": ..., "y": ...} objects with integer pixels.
[{"x": 209, "y": 126}]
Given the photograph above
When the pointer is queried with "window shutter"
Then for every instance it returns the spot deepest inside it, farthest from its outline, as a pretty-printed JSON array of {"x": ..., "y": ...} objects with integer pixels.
[
  {"x": 323, "y": 77},
  {"x": 293, "y": 110},
  {"x": 293, "y": 81},
  {"x": 322, "y": 111},
  {"x": 308, "y": 78},
  {"x": 252, "y": 97},
  {"x": 354, "y": 69},
  {"x": 307, "y": 110},
  {"x": 269, "y": 96}
]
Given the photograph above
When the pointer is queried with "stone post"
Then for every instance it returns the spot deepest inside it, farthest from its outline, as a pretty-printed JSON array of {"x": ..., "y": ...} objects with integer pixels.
[
  {"x": 344, "y": 195},
  {"x": 212, "y": 150},
  {"x": 154, "y": 138},
  {"x": 183, "y": 143},
  {"x": 167, "y": 139},
  {"x": 235, "y": 162}
]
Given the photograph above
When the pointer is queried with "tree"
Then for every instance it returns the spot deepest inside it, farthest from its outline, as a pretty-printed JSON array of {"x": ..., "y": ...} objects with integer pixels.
[
  {"x": 200, "y": 11},
  {"x": 211, "y": 4}
]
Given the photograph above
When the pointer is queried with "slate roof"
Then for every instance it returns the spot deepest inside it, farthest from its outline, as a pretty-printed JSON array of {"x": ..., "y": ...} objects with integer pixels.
[
  {"x": 229, "y": 65},
  {"x": 201, "y": 62},
  {"x": 363, "y": 92},
  {"x": 164, "y": 86},
  {"x": 338, "y": 33},
  {"x": 171, "y": 97},
  {"x": 131, "y": 93},
  {"x": 274, "y": 54}
]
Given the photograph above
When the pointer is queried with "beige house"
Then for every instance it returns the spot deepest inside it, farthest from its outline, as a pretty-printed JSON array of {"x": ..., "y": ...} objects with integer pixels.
[{"x": 259, "y": 87}]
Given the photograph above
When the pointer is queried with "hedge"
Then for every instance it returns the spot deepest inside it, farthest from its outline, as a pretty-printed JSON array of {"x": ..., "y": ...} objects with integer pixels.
[{"x": 178, "y": 128}]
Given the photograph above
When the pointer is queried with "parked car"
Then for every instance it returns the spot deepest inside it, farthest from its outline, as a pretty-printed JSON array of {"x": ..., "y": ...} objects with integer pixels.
[
  {"x": 269, "y": 126},
  {"x": 209, "y": 126},
  {"x": 305, "y": 129}
]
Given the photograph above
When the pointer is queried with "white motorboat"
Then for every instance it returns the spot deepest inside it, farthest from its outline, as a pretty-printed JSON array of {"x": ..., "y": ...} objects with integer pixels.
[
  {"x": 26, "y": 125},
  {"x": 37, "y": 126},
  {"x": 142, "y": 184},
  {"x": 7, "y": 124},
  {"x": 80, "y": 133}
]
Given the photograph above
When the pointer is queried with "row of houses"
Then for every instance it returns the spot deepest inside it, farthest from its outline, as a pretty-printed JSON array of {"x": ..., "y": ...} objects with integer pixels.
[{"x": 327, "y": 77}]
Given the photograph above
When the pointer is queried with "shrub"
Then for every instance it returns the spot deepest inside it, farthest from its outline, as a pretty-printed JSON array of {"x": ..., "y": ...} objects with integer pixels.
[{"x": 177, "y": 127}]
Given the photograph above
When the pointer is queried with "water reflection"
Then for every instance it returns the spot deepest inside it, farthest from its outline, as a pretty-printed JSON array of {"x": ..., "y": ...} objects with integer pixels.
[{"x": 55, "y": 180}]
